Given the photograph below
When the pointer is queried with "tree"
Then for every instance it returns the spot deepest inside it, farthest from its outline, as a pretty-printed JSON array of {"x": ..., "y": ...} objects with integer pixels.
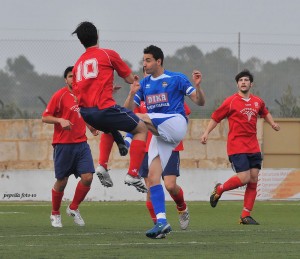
[
  {"x": 274, "y": 77},
  {"x": 289, "y": 107},
  {"x": 11, "y": 111},
  {"x": 19, "y": 66},
  {"x": 25, "y": 88},
  {"x": 24, "y": 92}
]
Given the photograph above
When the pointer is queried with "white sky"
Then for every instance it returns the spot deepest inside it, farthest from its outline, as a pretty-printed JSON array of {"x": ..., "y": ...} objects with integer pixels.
[
  {"x": 259, "y": 21},
  {"x": 161, "y": 19}
]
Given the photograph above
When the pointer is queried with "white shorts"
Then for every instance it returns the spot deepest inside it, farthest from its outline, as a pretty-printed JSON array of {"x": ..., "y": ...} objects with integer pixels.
[{"x": 172, "y": 129}]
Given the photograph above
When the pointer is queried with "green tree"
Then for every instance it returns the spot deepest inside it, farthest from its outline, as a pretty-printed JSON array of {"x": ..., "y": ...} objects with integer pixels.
[
  {"x": 28, "y": 87},
  {"x": 24, "y": 92},
  {"x": 289, "y": 105},
  {"x": 274, "y": 77},
  {"x": 19, "y": 66},
  {"x": 11, "y": 111}
]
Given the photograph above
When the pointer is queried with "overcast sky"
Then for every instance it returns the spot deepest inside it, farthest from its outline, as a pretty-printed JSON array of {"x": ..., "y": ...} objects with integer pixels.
[
  {"x": 266, "y": 21},
  {"x": 162, "y": 19}
]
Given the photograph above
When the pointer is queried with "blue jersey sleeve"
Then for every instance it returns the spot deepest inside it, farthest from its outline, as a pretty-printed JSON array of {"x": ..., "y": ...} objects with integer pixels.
[
  {"x": 184, "y": 84},
  {"x": 138, "y": 97}
]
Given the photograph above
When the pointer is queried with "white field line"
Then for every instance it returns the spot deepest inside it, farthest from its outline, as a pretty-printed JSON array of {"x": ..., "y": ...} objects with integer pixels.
[
  {"x": 12, "y": 212},
  {"x": 116, "y": 244},
  {"x": 131, "y": 233}
]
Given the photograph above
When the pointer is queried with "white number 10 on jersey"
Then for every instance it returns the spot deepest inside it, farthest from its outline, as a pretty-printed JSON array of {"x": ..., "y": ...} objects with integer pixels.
[{"x": 87, "y": 69}]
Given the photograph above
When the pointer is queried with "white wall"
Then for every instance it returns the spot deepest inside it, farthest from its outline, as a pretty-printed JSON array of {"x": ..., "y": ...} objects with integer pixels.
[{"x": 197, "y": 184}]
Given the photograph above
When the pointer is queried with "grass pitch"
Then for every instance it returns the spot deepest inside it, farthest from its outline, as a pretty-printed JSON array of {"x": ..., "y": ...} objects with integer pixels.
[{"x": 117, "y": 230}]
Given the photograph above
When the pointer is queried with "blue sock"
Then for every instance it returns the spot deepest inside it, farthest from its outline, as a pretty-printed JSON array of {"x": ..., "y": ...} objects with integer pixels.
[
  {"x": 158, "y": 201},
  {"x": 128, "y": 139}
]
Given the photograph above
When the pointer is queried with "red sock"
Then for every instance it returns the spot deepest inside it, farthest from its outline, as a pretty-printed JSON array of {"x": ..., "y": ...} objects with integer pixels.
[
  {"x": 179, "y": 200},
  {"x": 56, "y": 201},
  {"x": 232, "y": 183},
  {"x": 151, "y": 211},
  {"x": 80, "y": 193},
  {"x": 137, "y": 153},
  {"x": 249, "y": 199},
  {"x": 105, "y": 146}
]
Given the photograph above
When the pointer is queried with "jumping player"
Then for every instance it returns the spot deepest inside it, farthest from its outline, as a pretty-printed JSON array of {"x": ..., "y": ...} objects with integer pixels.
[{"x": 93, "y": 86}]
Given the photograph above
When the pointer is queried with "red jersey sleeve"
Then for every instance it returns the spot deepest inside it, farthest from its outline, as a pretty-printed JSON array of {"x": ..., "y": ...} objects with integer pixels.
[
  {"x": 263, "y": 110},
  {"x": 51, "y": 109},
  {"x": 222, "y": 111},
  {"x": 118, "y": 63}
]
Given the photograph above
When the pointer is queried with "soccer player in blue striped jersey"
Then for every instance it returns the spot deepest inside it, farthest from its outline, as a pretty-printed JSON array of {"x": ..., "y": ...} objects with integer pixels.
[{"x": 163, "y": 93}]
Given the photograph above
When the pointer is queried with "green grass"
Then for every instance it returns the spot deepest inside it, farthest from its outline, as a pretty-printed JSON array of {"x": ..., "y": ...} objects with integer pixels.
[{"x": 117, "y": 230}]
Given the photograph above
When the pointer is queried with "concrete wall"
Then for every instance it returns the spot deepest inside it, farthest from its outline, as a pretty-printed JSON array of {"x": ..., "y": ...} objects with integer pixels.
[
  {"x": 26, "y": 144},
  {"x": 282, "y": 149}
]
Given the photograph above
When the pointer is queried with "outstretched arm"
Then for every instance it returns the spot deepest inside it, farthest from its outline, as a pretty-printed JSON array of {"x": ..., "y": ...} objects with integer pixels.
[
  {"x": 197, "y": 96},
  {"x": 211, "y": 125}
]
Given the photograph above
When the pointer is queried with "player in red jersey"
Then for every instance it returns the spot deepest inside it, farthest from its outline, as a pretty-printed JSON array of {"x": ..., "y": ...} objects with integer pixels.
[
  {"x": 72, "y": 154},
  {"x": 242, "y": 111},
  {"x": 93, "y": 86}
]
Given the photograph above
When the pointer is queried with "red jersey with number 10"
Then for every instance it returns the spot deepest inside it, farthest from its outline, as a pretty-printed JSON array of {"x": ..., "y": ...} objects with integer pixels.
[
  {"x": 242, "y": 115},
  {"x": 93, "y": 77}
]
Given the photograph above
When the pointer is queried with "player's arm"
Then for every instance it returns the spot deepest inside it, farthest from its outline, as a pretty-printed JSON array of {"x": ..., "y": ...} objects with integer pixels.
[
  {"x": 269, "y": 119},
  {"x": 197, "y": 96},
  {"x": 129, "y": 79},
  {"x": 65, "y": 124},
  {"x": 134, "y": 87},
  {"x": 211, "y": 125}
]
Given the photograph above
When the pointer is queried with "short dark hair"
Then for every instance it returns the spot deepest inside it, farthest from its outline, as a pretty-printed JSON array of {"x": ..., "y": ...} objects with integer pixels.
[
  {"x": 243, "y": 73},
  {"x": 156, "y": 53},
  {"x": 87, "y": 34},
  {"x": 67, "y": 71}
]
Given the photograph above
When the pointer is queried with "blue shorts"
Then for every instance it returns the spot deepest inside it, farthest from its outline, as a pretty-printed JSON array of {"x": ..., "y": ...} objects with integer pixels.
[
  {"x": 72, "y": 159},
  {"x": 110, "y": 119},
  {"x": 244, "y": 162},
  {"x": 172, "y": 167}
]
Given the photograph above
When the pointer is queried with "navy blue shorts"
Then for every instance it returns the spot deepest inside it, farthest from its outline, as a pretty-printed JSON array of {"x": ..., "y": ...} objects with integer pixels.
[
  {"x": 110, "y": 119},
  {"x": 244, "y": 162},
  {"x": 72, "y": 159},
  {"x": 172, "y": 167}
]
